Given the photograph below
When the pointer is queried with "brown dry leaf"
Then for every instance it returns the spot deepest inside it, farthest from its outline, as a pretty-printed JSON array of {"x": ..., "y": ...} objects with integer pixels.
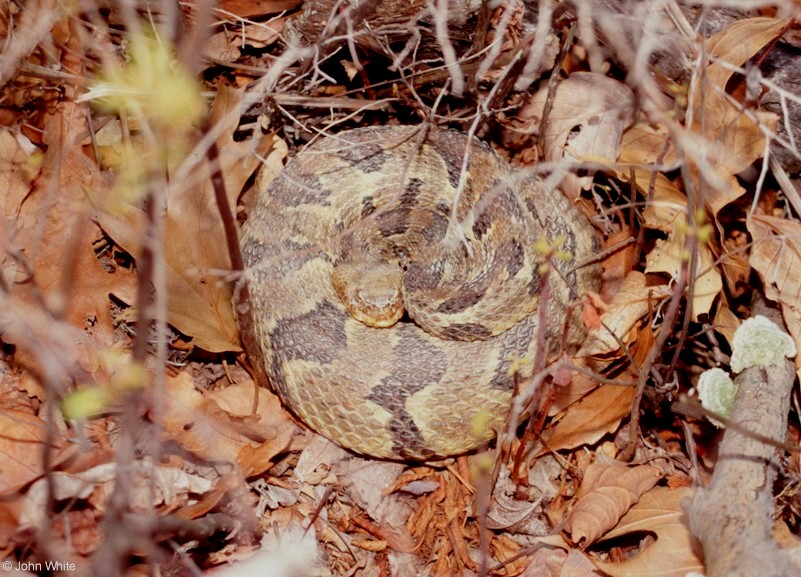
[
  {"x": 675, "y": 553},
  {"x": 317, "y": 459},
  {"x": 226, "y": 46},
  {"x": 776, "y": 256},
  {"x": 53, "y": 221},
  {"x": 366, "y": 481},
  {"x": 578, "y": 564},
  {"x": 249, "y": 8},
  {"x": 642, "y": 346},
  {"x": 203, "y": 504},
  {"x": 274, "y": 426},
  {"x": 506, "y": 550},
  {"x": 21, "y": 447},
  {"x": 580, "y": 385},
  {"x": 9, "y": 521},
  {"x": 523, "y": 516},
  {"x": 731, "y": 139},
  {"x": 606, "y": 493},
  {"x": 56, "y": 234},
  {"x": 667, "y": 208},
  {"x": 643, "y": 145},
  {"x": 545, "y": 562},
  {"x": 45, "y": 347},
  {"x": 592, "y": 305},
  {"x": 666, "y": 211},
  {"x": 669, "y": 255},
  {"x": 199, "y": 294},
  {"x": 220, "y": 427},
  {"x": 737, "y": 137},
  {"x": 667, "y": 204},
  {"x": 81, "y": 528},
  {"x": 150, "y": 486},
  {"x": 726, "y": 322},
  {"x": 784, "y": 536},
  {"x": 628, "y": 306},
  {"x": 223, "y": 47},
  {"x": 370, "y": 545},
  {"x": 17, "y": 173},
  {"x": 548, "y": 557},
  {"x": 512, "y": 514},
  {"x": 200, "y": 299},
  {"x": 596, "y": 415},
  {"x": 263, "y": 34},
  {"x": 619, "y": 264},
  {"x": 590, "y": 112}
]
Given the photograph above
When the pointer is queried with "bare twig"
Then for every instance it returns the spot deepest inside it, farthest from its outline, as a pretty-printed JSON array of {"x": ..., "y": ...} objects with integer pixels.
[
  {"x": 439, "y": 13},
  {"x": 656, "y": 348}
]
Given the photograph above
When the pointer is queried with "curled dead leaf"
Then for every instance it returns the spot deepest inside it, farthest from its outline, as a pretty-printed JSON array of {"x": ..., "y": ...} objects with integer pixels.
[
  {"x": 725, "y": 138},
  {"x": 373, "y": 545},
  {"x": 199, "y": 294},
  {"x": 52, "y": 226},
  {"x": 220, "y": 426},
  {"x": 606, "y": 494},
  {"x": 669, "y": 256},
  {"x": 617, "y": 265},
  {"x": 151, "y": 486},
  {"x": 589, "y": 114},
  {"x": 674, "y": 554},
  {"x": 518, "y": 516},
  {"x": 594, "y": 416},
  {"x": 23, "y": 436},
  {"x": 628, "y": 306}
]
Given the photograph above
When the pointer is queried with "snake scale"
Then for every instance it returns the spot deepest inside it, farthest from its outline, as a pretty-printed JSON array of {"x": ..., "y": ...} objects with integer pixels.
[{"x": 392, "y": 293}]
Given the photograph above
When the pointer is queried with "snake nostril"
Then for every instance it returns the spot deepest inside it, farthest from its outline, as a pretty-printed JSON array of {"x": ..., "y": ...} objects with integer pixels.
[{"x": 402, "y": 254}]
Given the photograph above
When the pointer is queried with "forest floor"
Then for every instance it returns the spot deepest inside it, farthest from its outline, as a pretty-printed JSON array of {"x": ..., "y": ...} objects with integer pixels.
[{"x": 135, "y": 136}]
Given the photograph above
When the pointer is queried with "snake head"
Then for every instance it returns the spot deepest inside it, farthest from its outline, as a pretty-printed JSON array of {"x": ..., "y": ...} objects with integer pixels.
[{"x": 371, "y": 291}]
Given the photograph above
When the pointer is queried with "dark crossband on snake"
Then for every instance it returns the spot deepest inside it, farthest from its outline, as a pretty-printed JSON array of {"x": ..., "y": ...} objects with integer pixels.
[{"x": 394, "y": 295}]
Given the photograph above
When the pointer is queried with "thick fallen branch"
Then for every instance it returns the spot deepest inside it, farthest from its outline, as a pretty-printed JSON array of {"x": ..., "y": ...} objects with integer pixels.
[{"x": 733, "y": 516}]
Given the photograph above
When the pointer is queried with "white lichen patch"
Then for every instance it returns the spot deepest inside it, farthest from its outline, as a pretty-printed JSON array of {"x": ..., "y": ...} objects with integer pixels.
[
  {"x": 716, "y": 392},
  {"x": 760, "y": 343}
]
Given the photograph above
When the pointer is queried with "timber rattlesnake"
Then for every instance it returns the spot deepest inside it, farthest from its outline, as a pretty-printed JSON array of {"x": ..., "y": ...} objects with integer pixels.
[{"x": 372, "y": 216}]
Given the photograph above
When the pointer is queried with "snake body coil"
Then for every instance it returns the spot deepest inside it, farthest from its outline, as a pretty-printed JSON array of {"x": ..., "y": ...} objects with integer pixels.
[{"x": 391, "y": 292}]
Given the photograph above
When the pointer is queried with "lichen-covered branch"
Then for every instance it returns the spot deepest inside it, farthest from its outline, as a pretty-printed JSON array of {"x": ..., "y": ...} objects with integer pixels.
[{"x": 733, "y": 516}]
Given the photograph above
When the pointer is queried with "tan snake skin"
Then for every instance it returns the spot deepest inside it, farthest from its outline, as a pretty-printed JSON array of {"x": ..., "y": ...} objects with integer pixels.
[{"x": 368, "y": 222}]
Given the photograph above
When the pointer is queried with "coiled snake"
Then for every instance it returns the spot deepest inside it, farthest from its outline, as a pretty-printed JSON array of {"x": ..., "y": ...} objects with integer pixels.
[{"x": 392, "y": 294}]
